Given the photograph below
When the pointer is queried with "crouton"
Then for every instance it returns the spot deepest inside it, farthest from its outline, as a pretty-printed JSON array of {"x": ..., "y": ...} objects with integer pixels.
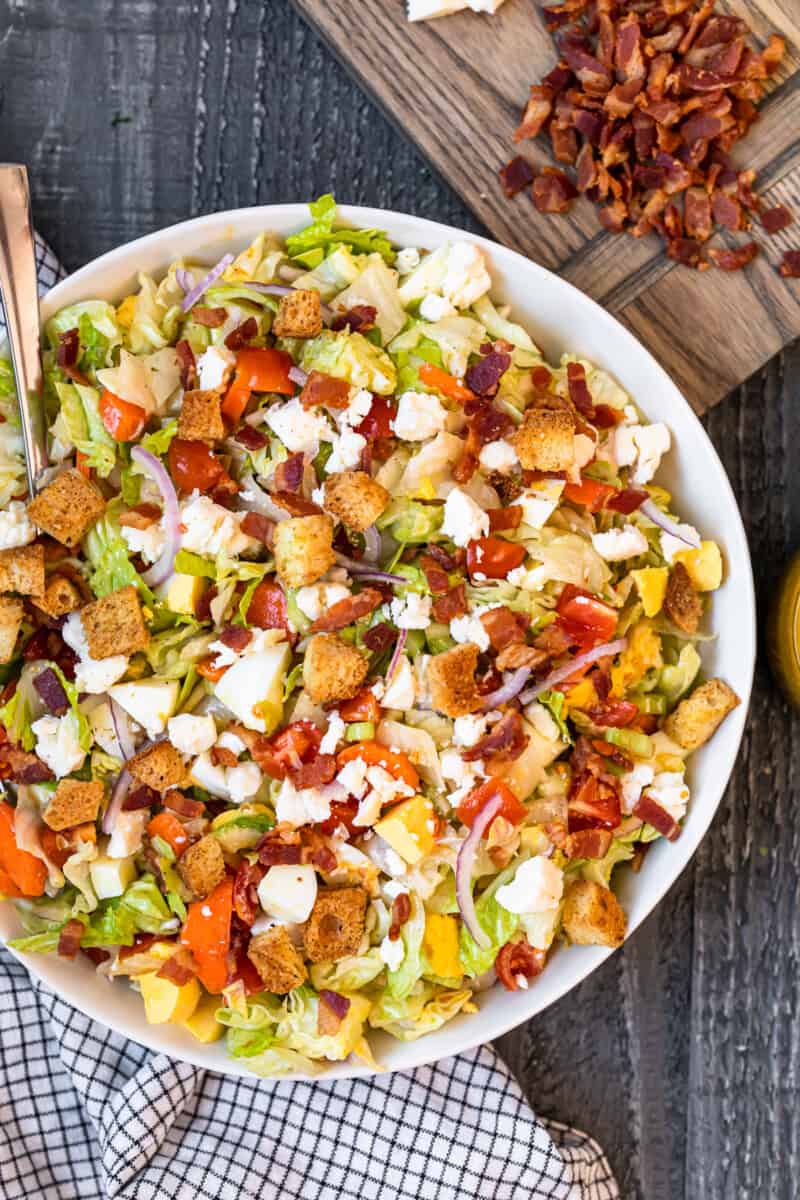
[
  {"x": 336, "y": 924},
  {"x": 279, "y": 964},
  {"x": 200, "y": 418},
  {"x": 61, "y": 596},
  {"x": 202, "y": 866},
  {"x": 11, "y": 611},
  {"x": 67, "y": 507},
  {"x": 303, "y": 549},
  {"x": 22, "y": 570},
  {"x": 697, "y": 717},
  {"x": 355, "y": 498},
  {"x": 545, "y": 441},
  {"x": 161, "y": 767},
  {"x": 114, "y": 624},
  {"x": 593, "y": 915},
  {"x": 299, "y": 314},
  {"x": 682, "y": 603},
  {"x": 74, "y": 803},
  {"x": 332, "y": 669},
  {"x": 451, "y": 677}
]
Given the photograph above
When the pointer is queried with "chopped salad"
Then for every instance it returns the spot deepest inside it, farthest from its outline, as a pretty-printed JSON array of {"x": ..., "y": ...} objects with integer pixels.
[{"x": 347, "y": 651}]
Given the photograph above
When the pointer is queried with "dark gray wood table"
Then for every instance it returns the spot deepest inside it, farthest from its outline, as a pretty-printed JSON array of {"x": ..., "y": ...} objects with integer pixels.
[{"x": 682, "y": 1054}]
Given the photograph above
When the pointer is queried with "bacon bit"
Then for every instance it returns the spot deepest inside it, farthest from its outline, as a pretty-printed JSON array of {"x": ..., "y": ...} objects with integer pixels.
[
  {"x": 401, "y": 911},
  {"x": 518, "y": 960},
  {"x": 452, "y": 604},
  {"x": 212, "y": 318},
  {"x": 579, "y": 392},
  {"x": 790, "y": 267},
  {"x": 242, "y": 334},
  {"x": 251, "y": 439},
  {"x": 324, "y": 389},
  {"x": 281, "y": 848},
  {"x": 503, "y": 744},
  {"x": 484, "y": 378},
  {"x": 289, "y": 474},
  {"x": 69, "y": 939},
  {"x": 516, "y": 175},
  {"x": 564, "y": 141},
  {"x": 358, "y": 319},
  {"x": 331, "y": 1011},
  {"x": 319, "y": 771},
  {"x": 69, "y": 345},
  {"x": 503, "y": 519},
  {"x": 437, "y": 578},
  {"x": 141, "y": 797},
  {"x": 627, "y": 501},
  {"x": 48, "y": 685},
  {"x": 22, "y": 766},
  {"x": 521, "y": 655},
  {"x": 324, "y": 859},
  {"x": 141, "y": 516},
  {"x": 179, "y": 968},
  {"x": 297, "y": 506},
  {"x": 187, "y": 364},
  {"x": 553, "y": 191},
  {"x": 503, "y": 627},
  {"x": 538, "y": 109},
  {"x": 777, "y": 218},
  {"x": 245, "y": 891},
  {"x": 727, "y": 211},
  {"x": 380, "y": 637},
  {"x": 651, "y": 812},
  {"x": 184, "y": 806},
  {"x": 348, "y": 610},
  {"x": 235, "y": 637},
  {"x": 733, "y": 259},
  {"x": 257, "y": 526},
  {"x": 697, "y": 214},
  {"x": 688, "y": 252},
  {"x": 588, "y": 843},
  {"x": 221, "y": 756},
  {"x": 449, "y": 561},
  {"x": 96, "y": 955}
]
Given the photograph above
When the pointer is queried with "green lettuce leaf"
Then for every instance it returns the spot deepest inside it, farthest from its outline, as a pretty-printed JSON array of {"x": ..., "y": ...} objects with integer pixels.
[
  {"x": 554, "y": 703},
  {"x": 158, "y": 442},
  {"x": 348, "y": 974},
  {"x": 321, "y": 234},
  {"x": 497, "y": 923},
  {"x": 107, "y": 554},
  {"x": 401, "y": 982},
  {"x": 172, "y": 653},
  {"x": 421, "y": 1013},
  {"x": 79, "y": 422},
  {"x": 352, "y": 357}
]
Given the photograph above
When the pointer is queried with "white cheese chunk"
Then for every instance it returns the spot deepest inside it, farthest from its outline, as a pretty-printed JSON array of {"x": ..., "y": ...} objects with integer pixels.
[
  {"x": 464, "y": 520},
  {"x": 537, "y": 886},
  {"x": 619, "y": 544},
  {"x": 190, "y": 734},
  {"x": 288, "y": 893},
  {"x": 419, "y": 416}
]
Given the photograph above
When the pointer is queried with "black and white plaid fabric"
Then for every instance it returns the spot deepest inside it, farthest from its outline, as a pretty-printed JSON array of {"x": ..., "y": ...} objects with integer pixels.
[{"x": 86, "y": 1114}]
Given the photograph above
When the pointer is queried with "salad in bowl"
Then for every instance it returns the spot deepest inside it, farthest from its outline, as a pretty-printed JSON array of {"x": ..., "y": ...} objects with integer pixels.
[{"x": 349, "y": 649}]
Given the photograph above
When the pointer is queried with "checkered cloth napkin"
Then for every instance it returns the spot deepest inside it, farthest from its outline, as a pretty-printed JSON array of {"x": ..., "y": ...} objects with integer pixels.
[{"x": 86, "y": 1114}]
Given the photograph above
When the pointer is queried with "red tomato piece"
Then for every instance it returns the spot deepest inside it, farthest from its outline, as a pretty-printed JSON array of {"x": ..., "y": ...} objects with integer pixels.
[
  {"x": 627, "y": 501},
  {"x": 267, "y": 609},
  {"x": 614, "y": 714},
  {"x": 363, "y": 707},
  {"x": 511, "y": 808},
  {"x": 193, "y": 465},
  {"x": 586, "y": 619},
  {"x": 593, "y": 802},
  {"x": 501, "y": 519},
  {"x": 493, "y": 557},
  {"x": 122, "y": 420},
  {"x": 589, "y": 492},
  {"x": 378, "y": 421}
]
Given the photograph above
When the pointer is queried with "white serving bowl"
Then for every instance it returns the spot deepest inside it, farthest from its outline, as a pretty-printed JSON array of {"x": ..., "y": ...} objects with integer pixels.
[{"x": 561, "y": 319}]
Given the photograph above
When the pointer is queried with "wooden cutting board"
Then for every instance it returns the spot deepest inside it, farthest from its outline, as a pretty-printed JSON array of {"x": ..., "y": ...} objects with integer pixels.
[{"x": 457, "y": 85}]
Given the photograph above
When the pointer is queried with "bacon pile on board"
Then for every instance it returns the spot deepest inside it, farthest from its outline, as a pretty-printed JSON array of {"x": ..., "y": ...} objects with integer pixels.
[{"x": 644, "y": 105}]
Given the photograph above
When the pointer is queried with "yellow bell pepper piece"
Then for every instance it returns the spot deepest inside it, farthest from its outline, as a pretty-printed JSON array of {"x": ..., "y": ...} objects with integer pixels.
[
  {"x": 203, "y": 1023},
  {"x": 704, "y": 566},
  {"x": 126, "y": 311},
  {"x": 440, "y": 945},
  {"x": 166, "y": 1001},
  {"x": 651, "y": 583},
  {"x": 582, "y": 695},
  {"x": 642, "y": 654},
  {"x": 409, "y": 829}
]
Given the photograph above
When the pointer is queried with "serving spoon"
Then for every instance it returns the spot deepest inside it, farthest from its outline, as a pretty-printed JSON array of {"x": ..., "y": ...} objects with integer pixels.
[{"x": 20, "y": 297}]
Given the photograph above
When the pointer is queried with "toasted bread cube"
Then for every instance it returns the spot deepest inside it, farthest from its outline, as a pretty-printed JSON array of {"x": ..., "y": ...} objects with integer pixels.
[
  {"x": 277, "y": 960},
  {"x": 11, "y": 611},
  {"x": 299, "y": 314},
  {"x": 336, "y": 924},
  {"x": 22, "y": 570},
  {"x": 67, "y": 507},
  {"x": 161, "y": 767},
  {"x": 61, "y": 596},
  {"x": 303, "y": 549},
  {"x": 545, "y": 441},
  {"x": 202, "y": 866},
  {"x": 451, "y": 677},
  {"x": 593, "y": 916},
  {"x": 355, "y": 498},
  {"x": 697, "y": 717},
  {"x": 74, "y": 803},
  {"x": 332, "y": 668},
  {"x": 682, "y": 603},
  {"x": 114, "y": 624},
  {"x": 200, "y": 418}
]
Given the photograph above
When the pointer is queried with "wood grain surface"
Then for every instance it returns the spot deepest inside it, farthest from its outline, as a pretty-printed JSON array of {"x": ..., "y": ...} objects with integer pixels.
[
  {"x": 682, "y": 1053},
  {"x": 457, "y": 86}
]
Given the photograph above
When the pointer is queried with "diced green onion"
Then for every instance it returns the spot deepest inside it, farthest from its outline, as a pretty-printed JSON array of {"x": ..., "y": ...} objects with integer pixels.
[
  {"x": 163, "y": 848},
  {"x": 360, "y": 731},
  {"x": 654, "y": 703},
  {"x": 630, "y": 739}
]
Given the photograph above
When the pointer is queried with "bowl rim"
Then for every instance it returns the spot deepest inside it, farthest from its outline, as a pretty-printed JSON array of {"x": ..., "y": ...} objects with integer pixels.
[{"x": 224, "y": 224}]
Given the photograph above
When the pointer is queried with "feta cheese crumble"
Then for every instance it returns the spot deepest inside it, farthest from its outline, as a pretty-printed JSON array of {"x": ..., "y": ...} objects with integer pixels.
[
  {"x": 211, "y": 530},
  {"x": 498, "y": 456},
  {"x": 466, "y": 277},
  {"x": 411, "y": 611},
  {"x": 149, "y": 542},
  {"x": 470, "y": 628},
  {"x": 57, "y": 744},
  {"x": 618, "y": 544},
  {"x": 348, "y": 447},
  {"x": 464, "y": 520},
  {"x": 300, "y": 429},
  {"x": 92, "y": 675},
  {"x": 419, "y": 416},
  {"x": 190, "y": 734},
  {"x": 16, "y": 527},
  {"x": 537, "y": 886},
  {"x": 214, "y": 368}
]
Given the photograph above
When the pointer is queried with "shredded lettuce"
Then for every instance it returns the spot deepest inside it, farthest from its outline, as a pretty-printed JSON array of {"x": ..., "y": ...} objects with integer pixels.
[
  {"x": 80, "y": 424},
  {"x": 352, "y": 357},
  {"x": 107, "y": 554},
  {"x": 348, "y": 974},
  {"x": 497, "y": 923},
  {"x": 320, "y": 234},
  {"x": 377, "y": 286},
  {"x": 554, "y": 703},
  {"x": 498, "y": 327},
  {"x": 423, "y": 1012},
  {"x": 173, "y": 653},
  {"x": 158, "y": 442},
  {"x": 410, "y": 521},
  {"x": 411, "y": 969}
]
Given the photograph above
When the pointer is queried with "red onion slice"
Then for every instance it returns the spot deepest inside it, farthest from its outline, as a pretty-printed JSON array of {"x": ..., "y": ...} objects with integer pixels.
[
  {"x": 298, "y": 376},
  {"x": 269, "y": 289},
  {"x": 118, "y": 794},
  {"x": 372, "y": 544},
  {"x": 653, "y": 513},
  {"x": 510, "y": 688},
  {"x": 568, "y": 669},
  {"x": 122, "y": 730},
  {"x": 464, "y": 867},
  {"x": 194, "y": 294},
  {"x": 184, "y": 278},
  {"x": 366, "y": 570},
  {"x": 171, "y": 519},
  {"x": 396, "y": 656}
]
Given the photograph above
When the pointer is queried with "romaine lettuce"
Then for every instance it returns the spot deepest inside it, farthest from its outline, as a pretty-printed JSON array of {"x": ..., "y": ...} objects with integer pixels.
[
  {"x": 497, "y": 923},
  {"x": 321, "y": 234},
  {"x": 350, "y": 356}
]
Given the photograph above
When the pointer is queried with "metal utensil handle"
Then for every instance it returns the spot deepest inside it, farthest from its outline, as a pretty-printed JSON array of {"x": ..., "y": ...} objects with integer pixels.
[{"x": 21, "y": 303}]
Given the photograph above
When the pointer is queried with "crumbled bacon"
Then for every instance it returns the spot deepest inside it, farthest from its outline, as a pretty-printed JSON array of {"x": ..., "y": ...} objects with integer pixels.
[
  {"x": 452, "y": 604},
  {"x": 288, "y": 475},
  {"x": 235, "y": 637},
  {"x": 401, "y": 911},
  {"x": 518, "y": 960},
  {"x": 588, "y": 843},
  {"x": 297, "y": 506},
  {"x": 538, "y": 109},
  {"x": 140, "y": 797},
  {"x": 22, "y": 766},
  {"x": 790, "y": 267},
  {"x": 553, "y": 191},
  {"x": 516, "y": 175},
  {"x": 503, "y": 744},
  {"x": 379, "y": 637},
  {"x": 777, "y": 218},
  {"x": 53, "y": 696},
  {"x": 484, "y": 377},
  {"x": 358, "y": 319},
  {"x": 519, "y": 654},
  {"x": 212, "y": 318},
  {"x": 141, "y": 516},
  {"x": 183, "y": 805},
  {"x": 324, "y": 389},
  {"x": 319, "y": 771},
  {"x": 257, "y": 526},
  {"x": 503, "y": 627},
  {"x": 652, "y": 812},
  {"x": 345, "y": 611},
  {"x": 251, "y": 439},
  {"x": 437, "y": 578},
  {"x": 242, "y": 334},
  {"x": 280, "y": 848},
  {"x": 187, "y": 364},
  {"x": 179, "y": 968},
  {"x": 69, "y": 939},
  {"x": 733, "y": 259},
  {"x": 221, "y": 756},
  {"x": 449, "y": 561}
]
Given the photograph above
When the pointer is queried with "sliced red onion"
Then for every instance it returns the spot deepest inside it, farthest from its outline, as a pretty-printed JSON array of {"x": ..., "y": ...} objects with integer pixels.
[
  {"x": 653, "y": 513},
  {"x": 336, "y": 1002},
  {"x": 397, "y": 655},
  {"x": 269, "y": 289},
  {"x": 259, "y": 501},
  {"x": 118, "y": 794},
  {"x": 194, "y": 294},
  {"x": 122, "y": 730},
  {"x": 512, "y": 686},
  {"x": 298, "y": 376},
  {"x": 154, "y": 467},
  {"x": 184, "y": 278},
  {"x": 607, "y": 650},
  {"x": 372, "y": 544},
  {"x": 465, "y": 864},
  {"x": 365, "y": 570}
]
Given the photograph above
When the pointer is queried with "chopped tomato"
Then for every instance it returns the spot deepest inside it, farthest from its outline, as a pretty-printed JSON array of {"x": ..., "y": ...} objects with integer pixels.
[
  {"x": 267, "y": 609},
  {"x": 363, "y": 707},
  {"x": 393, "y": 761},
  {"x": 82, "y": 464},
  {"x": 378, "y": 421},
  {"x": 207, "y": 933},
  {"x": 170, "y": 830},
  {"x": 257, "y": 370},
  {"x": 206, "y": 668},
  {"x": 586, "y": 619},
  {"x": 589, "y": 492},
  {"x": 511, "y": 808},
  {"x": 493, "y": 557},
  {"x": 249, "y": 976},
  {"x": 193, "y": 465},
  {"x": 593, "y": 802},
  {"x": 501, "y": 519},
  {"x": 614, "y": 714},
  {"x": 447, "y": 384},
  {"x": 27, "y": 873},
  {"x": 290, "y": 749},
  {"x": 122, "y": 420}
]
